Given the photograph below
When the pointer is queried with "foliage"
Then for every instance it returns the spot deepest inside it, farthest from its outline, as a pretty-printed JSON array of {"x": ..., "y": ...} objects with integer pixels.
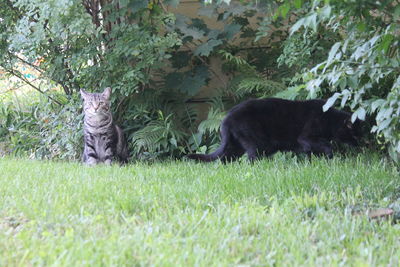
[
  {"x": 87, "y": 44},
  {"x": 124, "y": 46},
  {"x": 84, "y": 44},
  {"x": 60, "y": 130},
  {"x": 306, "y": 49},
  {"x": 41, "y": 129},
  {"x": 170, "y": 93},
  {"x": 342, "y": 50},
  {"x": 157, "y": 62},
  {"x": 248, "y": 81},
  {"x": 158, "y": 137},
  {"x": 18, "y": 130},
  {"x": 228, "y": 44},
  {"x": 208, "y": 136},
  {"x": 363, "y": 66},
  {"x": 346, "y": 51}
]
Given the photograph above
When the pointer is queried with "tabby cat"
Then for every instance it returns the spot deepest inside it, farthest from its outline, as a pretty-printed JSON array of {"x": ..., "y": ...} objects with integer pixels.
[
  {"x": 104, "y": 141},
  {"x": 261, "y": 127}
]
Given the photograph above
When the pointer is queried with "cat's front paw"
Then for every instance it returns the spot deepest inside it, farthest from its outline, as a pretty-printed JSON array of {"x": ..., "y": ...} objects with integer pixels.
[{"x": 91, "y": 162}]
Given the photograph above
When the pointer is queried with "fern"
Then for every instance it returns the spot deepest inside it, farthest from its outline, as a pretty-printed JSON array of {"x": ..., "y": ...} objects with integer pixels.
[
  {"x": 187, "y": 117},
  {"x": 207, "y": 138},
  {"x": 259, "y": 86},
  {"x": 249, "y": 81},
  {"x": 238, "y": 63},
  {"x": 212, "y": 124},
  {"x": 158, "y": 136}
]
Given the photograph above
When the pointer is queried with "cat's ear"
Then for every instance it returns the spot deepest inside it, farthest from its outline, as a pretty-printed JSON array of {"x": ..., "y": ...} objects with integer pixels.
[
  {"x": 107, "y": 93},
  {"x": 84, "y": 94}
]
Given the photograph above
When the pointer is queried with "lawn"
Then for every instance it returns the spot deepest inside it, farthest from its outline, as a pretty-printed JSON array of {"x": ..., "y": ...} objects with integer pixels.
[{"x": 280, "y": 211}]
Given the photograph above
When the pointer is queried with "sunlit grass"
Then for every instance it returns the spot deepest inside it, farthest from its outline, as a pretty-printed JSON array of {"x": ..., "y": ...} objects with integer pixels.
[{"x": 280, "y": 211}]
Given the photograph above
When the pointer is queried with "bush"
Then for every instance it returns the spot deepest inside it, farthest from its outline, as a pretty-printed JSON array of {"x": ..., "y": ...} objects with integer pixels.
[
  {"x": 358, "y": 65},
  {"x": 346, "y": 51},
  {"x": 42, "y": 129}
]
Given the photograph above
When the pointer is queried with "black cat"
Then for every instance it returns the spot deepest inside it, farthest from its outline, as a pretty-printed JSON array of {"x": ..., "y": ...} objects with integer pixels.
[{"x": 261, "y": 127}]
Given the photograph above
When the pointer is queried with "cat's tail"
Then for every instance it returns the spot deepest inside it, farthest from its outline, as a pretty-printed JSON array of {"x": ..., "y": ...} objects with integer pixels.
[
  {"x": 206, "y": 157},
  {"x": 221, "y": 152}
]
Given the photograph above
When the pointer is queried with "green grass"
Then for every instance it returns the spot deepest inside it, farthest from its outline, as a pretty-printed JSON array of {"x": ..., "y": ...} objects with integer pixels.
[{"x": 280, "y": 211}]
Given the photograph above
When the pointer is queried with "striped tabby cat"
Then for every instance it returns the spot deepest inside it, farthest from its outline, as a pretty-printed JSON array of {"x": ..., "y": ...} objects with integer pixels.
[{"x": 104, "y": 141}]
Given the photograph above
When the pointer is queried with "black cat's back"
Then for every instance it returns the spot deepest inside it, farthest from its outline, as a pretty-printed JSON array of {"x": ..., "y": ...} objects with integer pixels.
[
  {"x": 273, "y": 118},
  {"x": 264, "y": 126}
]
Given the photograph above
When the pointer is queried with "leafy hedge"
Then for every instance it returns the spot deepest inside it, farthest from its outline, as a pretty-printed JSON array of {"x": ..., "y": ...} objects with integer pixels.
[{"x": 347, "y": 51}]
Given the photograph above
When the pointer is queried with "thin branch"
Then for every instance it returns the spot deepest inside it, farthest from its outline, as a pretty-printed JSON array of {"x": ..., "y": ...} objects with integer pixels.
[
  {"x": 26, "y": 62},
  {"x": 371, "y": 67},
  {"x": 15, "y": 87},
  {"x": 163, "y": 6},
  {"x": 12, "y": 72}
]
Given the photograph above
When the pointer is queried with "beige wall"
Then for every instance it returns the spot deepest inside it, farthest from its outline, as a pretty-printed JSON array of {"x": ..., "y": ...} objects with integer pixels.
[
  {"x": 190, "y": 8},
  {"x": 219, "y": 79}
]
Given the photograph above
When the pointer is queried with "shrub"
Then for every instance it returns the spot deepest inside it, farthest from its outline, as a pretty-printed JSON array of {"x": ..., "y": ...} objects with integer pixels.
[{"x": 41, "y": 129}]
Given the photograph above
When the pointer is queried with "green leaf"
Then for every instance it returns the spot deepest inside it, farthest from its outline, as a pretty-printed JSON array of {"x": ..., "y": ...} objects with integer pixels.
[
  {"x": 308, "y": 22},
  {"x": 173, "y": 141},
  {"x": 395, "y": 153},
  {"x": 123, "y": 3},
  {"x": 377, "y": 103},
  {"x": 332, "y": 52},
  {"x": 284, "y": 9},
  {"x": 325, "y": 12},
  {"x": 330, "y": 102},
  {"x": 361, "y": 26},
  {"x": 188, "y": 82},
  {"x": 191, "y": 84},
  {"x": 180, "y": 59},
  {"x": 231, "y": 30},
  {"x": 199, "y": 24},
  {"x": 206, "y": 48},
  {"x": 352, "y": 81},
  {"x": 396, "y": 13},
  {"x": 187, "y": 29},
  {"x": 342, "y": 83},
  {"x": 312, "y": 21},
  {"x": 386, "y": 41},
  {"x": 298, "y": 3},
  {"x": 297, "y": 25},
  {"x": 345, "y": 96},
  {"x": 384, "y": 124},
  {"x": 290, "y": 93},
  {"x": 173, "y": 80},
  {"x": 359, "y": 113},
  {"x": 213, "y": 34}
]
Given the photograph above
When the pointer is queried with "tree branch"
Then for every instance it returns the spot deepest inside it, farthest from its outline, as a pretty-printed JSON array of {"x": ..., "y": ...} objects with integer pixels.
[
  {"x": 26, "y": 62},
  {"x": 12, "y": 72}
]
